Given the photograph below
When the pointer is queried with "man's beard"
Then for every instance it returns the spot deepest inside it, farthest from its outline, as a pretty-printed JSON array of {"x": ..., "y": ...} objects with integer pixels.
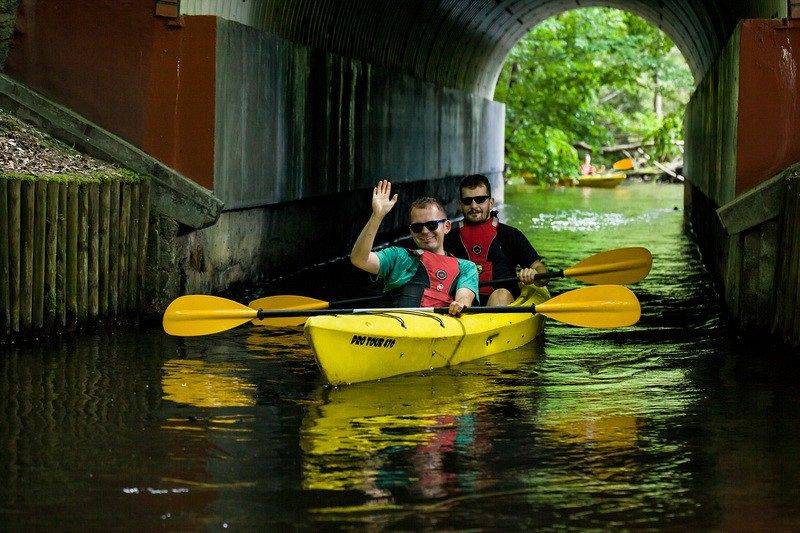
[{"x": 477, "y": 218}]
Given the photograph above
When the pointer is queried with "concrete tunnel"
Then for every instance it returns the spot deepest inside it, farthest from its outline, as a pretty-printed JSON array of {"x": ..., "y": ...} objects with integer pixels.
[{"x": 288, "y": 111}]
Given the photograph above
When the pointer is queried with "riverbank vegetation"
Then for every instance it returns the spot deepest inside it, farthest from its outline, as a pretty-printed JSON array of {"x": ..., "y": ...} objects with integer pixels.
[{"x": 588, "y": 79}]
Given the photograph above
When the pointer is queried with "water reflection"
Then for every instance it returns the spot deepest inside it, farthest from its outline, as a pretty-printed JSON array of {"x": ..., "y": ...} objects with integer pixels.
[
  {"x": 204, "y": 384},
  {"x": 667, "y": 424},
  {"x": 421, "y": 418}
]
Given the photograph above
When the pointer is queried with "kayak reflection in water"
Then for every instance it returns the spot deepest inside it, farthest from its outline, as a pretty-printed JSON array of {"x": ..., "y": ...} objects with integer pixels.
[
  {"x": 500, "y": 251},
  {"x": 423, "y": 277}
]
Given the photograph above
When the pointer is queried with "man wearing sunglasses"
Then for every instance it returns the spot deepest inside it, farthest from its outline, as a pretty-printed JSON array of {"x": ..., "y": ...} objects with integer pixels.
[
  {"x": 498, "y": 250},
  {"x": 425, "y": 276}
]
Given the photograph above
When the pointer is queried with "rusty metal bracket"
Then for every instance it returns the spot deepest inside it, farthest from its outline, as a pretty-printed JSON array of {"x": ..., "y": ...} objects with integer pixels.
[{"x": 168, "y": 8}]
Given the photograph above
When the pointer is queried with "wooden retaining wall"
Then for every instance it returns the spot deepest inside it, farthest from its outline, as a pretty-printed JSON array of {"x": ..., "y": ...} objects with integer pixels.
[
  {"x": 760, "y": 257},
  {"x": 71, "y": 252}
]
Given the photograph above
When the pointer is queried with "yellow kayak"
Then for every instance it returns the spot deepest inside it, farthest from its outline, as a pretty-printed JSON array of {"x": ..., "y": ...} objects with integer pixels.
[
  {"x": 364, "y": 347},
  {"x": 603, "y": 181}
]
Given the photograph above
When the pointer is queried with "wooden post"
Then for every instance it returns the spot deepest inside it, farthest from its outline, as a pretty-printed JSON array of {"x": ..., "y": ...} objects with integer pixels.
[
  {"x": 105, "y": 208},
  {"x": 72, "y": 253},
  {"x": 144, "y": 227},
  {"x": 94, "y": 237},
  {"x": 152, "y": 281},
  {"x": 14, "y": 223},
  {"x": 5, "y": 308},
  {"x": 51, "y": 252},
  {"x": 39, "y": 238},
  {"x": 61, "y": 256},
  {"x": 113, "y": 250},
  {"x": 133, "y": 249},
  {"x": 83, "y": 252},
  {"x": 26, "y": 249},
  {"x": 124, "y": 225}
]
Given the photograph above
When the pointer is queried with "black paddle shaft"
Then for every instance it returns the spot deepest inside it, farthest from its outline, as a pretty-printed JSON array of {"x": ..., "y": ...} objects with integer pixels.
[
  {"x": 337, "y": 304},
  {"x": 550, "y": 274},
  {"x": 263, "y": 313},
  {"x": 539, "y": 276}
]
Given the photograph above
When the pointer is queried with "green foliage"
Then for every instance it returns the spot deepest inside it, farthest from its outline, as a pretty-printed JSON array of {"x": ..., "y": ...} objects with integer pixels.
[
  {"x": 542, "y": 152},
  {"x": 665, "y": 135},
  {"x": 589, "y": 75}
]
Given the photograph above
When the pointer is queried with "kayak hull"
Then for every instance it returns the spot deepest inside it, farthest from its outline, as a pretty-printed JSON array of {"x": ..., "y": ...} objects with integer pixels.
[{"x": 365, "y": 347}]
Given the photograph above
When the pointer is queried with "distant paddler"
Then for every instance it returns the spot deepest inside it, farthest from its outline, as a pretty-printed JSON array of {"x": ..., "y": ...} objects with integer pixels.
[
  {"x": 500, "y": 251},
  {"x": 588, "y": 169},
  {"x": 422, "y": 277}
]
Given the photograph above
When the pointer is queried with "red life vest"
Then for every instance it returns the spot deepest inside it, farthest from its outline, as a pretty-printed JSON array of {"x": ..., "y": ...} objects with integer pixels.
[
  {"x": 432, "y": 285},
  {"x": 442, "y": 272},
  {"x": 477, "y": 238}
]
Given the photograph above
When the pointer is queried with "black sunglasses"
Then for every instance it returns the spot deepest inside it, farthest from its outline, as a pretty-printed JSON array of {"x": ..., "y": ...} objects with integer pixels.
[
  {"x": 467, "y": 200},
  {"x": 416, "y": 227}
]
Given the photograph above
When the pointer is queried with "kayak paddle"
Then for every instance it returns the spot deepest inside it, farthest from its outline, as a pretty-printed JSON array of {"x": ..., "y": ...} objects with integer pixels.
[
  {"x": 601, "y": 306},
  {"x": 622, "y": 266}
]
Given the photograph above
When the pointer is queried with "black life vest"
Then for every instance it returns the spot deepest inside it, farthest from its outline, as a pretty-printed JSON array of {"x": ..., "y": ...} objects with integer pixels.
[
  {"x": 432, "y": 285},
  {"x": 477, "y": 238}
]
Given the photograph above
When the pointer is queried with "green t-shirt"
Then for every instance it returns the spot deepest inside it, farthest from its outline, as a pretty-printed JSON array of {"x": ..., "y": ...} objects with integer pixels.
[{"x": 397, "y": 267}]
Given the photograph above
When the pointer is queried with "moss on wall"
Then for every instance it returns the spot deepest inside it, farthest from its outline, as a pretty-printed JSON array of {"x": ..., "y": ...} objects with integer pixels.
[{"x": 8, "y": 16}]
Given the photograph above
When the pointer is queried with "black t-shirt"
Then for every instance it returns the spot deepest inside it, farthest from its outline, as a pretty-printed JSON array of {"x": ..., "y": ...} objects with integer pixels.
[{"x": 509, "y": 249}]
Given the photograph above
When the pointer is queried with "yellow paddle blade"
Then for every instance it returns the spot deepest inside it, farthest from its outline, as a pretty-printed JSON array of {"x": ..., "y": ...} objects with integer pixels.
[
  {"x": 193, "y": 315},
  {"x": 287, "y": 302},
  {"x": 622, "y": 266},
  {"x": 624, "y": 164},
  {"x": 601, "y": 306}
]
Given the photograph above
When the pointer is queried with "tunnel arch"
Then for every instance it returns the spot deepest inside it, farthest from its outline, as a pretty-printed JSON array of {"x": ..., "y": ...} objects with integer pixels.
[{"x": 461, "y": 44}]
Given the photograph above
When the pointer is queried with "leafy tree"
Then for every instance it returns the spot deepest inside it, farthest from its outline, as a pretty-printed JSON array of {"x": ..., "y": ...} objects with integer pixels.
[{"x": 598, "y": 76}]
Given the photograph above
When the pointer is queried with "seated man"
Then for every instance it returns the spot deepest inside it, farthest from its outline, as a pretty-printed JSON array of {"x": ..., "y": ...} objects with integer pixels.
[
  {"x": 498, "y": 250},
  {"x": 426, "y": 276}
]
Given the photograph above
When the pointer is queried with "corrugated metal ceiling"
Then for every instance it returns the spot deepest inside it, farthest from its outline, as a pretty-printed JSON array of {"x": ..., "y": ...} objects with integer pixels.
[{"x": 462, "y": 43}]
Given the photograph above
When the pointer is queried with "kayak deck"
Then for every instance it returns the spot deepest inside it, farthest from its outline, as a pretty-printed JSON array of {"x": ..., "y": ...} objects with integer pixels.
[{"x": 365, "y": 347}]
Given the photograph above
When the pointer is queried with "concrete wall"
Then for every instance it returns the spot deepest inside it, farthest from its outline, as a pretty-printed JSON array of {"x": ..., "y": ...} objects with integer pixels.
[
  {"x": 294, "y": 122},
  {"x": 711, "y": 127}
]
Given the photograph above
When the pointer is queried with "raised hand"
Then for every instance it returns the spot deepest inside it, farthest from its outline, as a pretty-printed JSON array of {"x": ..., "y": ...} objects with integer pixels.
[{"x": 382, "y": 201}]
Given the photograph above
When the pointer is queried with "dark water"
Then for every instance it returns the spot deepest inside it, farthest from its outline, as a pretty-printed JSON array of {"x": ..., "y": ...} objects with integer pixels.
[{"x": 669, "y": 424}]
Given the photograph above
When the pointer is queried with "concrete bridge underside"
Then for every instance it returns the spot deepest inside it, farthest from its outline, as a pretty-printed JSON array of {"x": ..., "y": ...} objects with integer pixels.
[
  {"x": 290, "y": 110},
  {"x": 462, "y": 44}
]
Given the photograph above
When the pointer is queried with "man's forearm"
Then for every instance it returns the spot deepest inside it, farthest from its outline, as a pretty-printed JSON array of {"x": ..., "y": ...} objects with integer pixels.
[{"x": 359, "y": 255}]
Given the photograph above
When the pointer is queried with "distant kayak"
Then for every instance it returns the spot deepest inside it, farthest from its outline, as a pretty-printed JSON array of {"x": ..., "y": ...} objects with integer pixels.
[{"x": 603, "y": 181}]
